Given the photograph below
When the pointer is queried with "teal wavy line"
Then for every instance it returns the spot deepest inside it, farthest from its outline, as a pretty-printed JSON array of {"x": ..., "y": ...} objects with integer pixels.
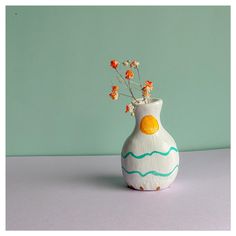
[
  {"x": 149, "y": 153},
  {"x": 152, "y": 172}
]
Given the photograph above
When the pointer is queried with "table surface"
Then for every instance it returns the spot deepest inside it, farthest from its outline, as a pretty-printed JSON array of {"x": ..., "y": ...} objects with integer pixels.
[{"x": 88, "y": 193}]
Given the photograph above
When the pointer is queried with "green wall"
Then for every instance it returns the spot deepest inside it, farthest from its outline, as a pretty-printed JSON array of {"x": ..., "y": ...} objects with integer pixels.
[{"x": 58, "y": 76}]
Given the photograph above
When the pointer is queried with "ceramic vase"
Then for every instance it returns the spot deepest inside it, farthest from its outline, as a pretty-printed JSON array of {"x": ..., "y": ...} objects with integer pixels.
[{"x": 149, "y": 157}]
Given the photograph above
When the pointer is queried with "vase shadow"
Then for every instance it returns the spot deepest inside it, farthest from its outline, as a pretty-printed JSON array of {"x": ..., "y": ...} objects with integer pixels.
[{"x": 106, "y": 180}]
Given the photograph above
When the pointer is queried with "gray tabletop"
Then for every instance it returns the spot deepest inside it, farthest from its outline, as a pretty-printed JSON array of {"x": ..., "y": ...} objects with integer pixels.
[{"x": 88, "y": 193}]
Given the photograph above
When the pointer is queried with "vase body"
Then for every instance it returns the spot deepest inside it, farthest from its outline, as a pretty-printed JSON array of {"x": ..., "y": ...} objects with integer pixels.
[{"x": 149, "y": 157}]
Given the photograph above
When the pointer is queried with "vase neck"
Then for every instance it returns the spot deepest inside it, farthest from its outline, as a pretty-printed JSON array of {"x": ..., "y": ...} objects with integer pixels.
[{"x": 153, "y": 109}]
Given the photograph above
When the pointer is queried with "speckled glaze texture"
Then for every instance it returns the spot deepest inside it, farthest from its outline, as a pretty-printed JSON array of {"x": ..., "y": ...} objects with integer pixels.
[{"x": 149, "y": 157}]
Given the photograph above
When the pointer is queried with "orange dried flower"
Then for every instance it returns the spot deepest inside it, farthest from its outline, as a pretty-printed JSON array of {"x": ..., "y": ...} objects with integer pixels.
[
  {"x": 145, "y": 91},
  {"x": 149, "y": 84},
  {"x": 129, "y": 74},
  {"x": 115, "y": 88},
  {"x": 129, "y": 108},
  {"x": 114, "y": 64},
  {"x": 114, "y": 95}
]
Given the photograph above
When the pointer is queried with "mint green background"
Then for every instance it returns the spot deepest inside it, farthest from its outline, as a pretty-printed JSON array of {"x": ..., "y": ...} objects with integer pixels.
[{"x": 58, "y": 76}]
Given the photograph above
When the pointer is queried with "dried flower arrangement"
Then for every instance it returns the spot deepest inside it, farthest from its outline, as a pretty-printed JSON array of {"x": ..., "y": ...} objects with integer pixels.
[{"x": 130, "y": 84}]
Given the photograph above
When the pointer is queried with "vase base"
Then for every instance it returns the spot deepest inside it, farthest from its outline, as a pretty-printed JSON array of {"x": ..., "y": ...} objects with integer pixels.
[{"x": 142, "y": 189}]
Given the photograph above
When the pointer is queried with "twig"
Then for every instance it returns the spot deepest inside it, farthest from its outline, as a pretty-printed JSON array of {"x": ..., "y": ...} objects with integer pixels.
[
  {"x": 122, "y": 78},
  {"x": 124, "y": 95},
  {"x": 139, "y": 78},
  {"x": 140, "y": 82},
  {"x": 132, "y": 92},
  {"x": 135, "y": 84},
  {"x": 127, "y": 85}
]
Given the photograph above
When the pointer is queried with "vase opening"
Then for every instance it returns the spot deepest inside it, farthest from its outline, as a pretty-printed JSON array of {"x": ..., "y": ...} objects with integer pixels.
[{"x": 140, "y": 101}]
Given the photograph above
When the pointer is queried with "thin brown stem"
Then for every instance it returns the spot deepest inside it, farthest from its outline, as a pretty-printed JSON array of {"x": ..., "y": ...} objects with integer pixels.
[
  {"x": 123, "y": 94},
  {"x": 133, "y": 82},
  {"x": 140, "y": 81},
  {"x": 132, "y": 92},
  {"x": 127, "y": 85},
  {"x": 139, "y": 78},
  {"x": 122, "y": 78},
  {"x": 136, "y": 86}
]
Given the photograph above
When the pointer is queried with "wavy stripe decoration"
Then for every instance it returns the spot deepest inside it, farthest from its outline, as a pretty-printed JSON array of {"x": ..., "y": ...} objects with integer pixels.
[
  {"x": 149, "y": 153},
  {"x": 152, "y": 172}
]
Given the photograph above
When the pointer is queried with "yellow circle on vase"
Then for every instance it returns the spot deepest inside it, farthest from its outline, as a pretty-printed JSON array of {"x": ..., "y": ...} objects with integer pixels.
[{"x": 149, "y": 125}]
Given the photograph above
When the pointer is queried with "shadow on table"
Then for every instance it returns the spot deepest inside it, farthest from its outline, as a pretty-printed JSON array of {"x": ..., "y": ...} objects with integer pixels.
[
  {"x": 107, "y": 181},
  {"x": 68, "y": 179}
]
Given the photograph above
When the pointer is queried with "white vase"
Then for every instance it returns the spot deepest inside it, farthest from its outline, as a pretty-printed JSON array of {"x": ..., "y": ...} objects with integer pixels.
[{"x": 149, "y": 158}]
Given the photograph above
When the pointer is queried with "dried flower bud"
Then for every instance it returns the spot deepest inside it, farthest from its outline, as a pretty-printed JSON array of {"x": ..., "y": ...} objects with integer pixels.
[
  {"x": 149, "y": 84},
  {"x": 115, "y": 88},
  {"x": 134, "y": 64},
  {"x": 145, "y": 91},
  {"x": 114, "y": 95},
  {"x": 125, "y": 63},
  {"x": 114, "y": 64},
  {"x": 129, "y": 108},
  {"x": 129, "y": 74}
]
